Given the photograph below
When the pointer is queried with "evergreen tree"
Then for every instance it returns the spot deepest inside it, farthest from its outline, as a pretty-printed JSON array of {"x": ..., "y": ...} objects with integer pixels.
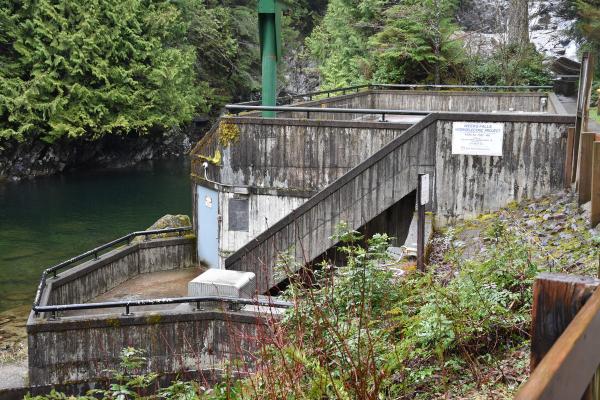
[
  {"x": 416, "y": 43},
  {"x": 339, "y": 42},
  {"x": 588, "y": 24},
  {"x": 70, "y": 68},
  {"x": 387, "y": 41}
]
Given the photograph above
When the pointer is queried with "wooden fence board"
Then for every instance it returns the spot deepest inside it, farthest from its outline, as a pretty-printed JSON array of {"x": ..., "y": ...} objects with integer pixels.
[
  {"x": 595, "y": 186},
  {"x": 564, "y": 349},
  {"x": 585, "y": 167},
  {"x": 569, "y": 157}
]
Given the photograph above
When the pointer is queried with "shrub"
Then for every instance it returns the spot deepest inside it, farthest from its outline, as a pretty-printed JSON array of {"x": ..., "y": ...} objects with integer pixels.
[{"x": 86, "y": 69}]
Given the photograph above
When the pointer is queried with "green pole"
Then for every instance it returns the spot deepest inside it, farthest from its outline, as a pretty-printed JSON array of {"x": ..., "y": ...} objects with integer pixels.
[{"x": 269, "y": 63}]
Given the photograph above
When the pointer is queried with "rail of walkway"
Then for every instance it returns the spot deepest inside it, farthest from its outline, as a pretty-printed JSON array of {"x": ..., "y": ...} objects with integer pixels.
[
  {"x": 96, "y": 253},
  {"x": 375, "y": 86}
]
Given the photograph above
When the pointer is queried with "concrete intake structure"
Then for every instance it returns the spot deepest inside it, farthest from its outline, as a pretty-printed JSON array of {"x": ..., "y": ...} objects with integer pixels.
[{"x": 282, "y": 185}]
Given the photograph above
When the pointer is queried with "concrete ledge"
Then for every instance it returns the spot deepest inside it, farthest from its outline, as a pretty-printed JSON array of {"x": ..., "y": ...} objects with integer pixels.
[
  {"x": 81, "y": 349},
  {"x": 87, "y": 280},
  {"x": 458, "y": 92},
  {"x": 112, "y": 320},
  {"x": 80, "y": 270}
]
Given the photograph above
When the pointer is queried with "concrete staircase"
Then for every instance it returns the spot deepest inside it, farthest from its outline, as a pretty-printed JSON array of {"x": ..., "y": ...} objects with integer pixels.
[{"x": 356, "y": 198}]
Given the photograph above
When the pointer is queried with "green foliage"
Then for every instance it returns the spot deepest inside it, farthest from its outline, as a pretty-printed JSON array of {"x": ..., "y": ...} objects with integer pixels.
[
  {"x": 128, "y": 380},
  {"x": 86, "y": 69},
  {"x": 225, "y": 36},
  {"x": 484, "y": 309},
  {"x": 339, "y": 43},
  {"x": 361, "y": 333},
  {"x": 387, "y": 41},
  {"x": 411, "y": 41},
  {"x": 510, "y": 65},
  {"x": 342, "y": 317},
  {"x": 416, "y": 43},
  {"x": 588, "y": 23}
]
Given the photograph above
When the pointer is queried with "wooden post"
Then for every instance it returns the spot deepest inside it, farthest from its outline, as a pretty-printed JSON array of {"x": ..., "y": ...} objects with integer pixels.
[
  {"x": 422, "y": 200},
  {"x": 595, "y": 186},
  {"x": 585, "y": 167},
  {"x": 569, "y": 157},
  {"x": 583, "y": 100},
  {"x": 557, "y": 299}
]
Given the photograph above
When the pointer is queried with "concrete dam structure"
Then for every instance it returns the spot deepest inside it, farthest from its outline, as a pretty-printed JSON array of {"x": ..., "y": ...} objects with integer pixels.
[
  {"x": 281, "y": 185},
  {"x": 268, "y": 195}
]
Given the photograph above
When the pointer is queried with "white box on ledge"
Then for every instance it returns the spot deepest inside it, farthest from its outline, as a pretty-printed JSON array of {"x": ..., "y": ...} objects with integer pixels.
[{"x": 223, "y": 282}]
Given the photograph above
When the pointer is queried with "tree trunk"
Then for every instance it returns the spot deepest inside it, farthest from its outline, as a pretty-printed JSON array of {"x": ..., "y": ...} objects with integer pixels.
[{"x": 518, "y": 23}]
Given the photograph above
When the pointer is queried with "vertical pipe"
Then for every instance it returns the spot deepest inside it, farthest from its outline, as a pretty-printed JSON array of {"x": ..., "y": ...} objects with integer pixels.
[{"x": 269, "y": 63}]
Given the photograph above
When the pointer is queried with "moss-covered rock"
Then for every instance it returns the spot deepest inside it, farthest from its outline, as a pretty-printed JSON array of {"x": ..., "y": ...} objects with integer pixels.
[{"x": 164, "y": 222}]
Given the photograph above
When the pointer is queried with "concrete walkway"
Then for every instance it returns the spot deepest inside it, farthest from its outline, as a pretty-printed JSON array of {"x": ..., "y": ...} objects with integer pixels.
[
  {"x": 153, "y": 285},
  {"x": 570, "y": 104},
  {"x": 13, "y": 375}
]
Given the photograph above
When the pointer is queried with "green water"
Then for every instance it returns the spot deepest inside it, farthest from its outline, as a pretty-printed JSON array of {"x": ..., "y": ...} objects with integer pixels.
[{"x": 48, "y": 220}]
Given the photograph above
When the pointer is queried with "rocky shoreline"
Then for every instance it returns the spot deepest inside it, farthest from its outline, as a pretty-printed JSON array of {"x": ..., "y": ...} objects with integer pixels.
[{"x": 31, "y": 159}]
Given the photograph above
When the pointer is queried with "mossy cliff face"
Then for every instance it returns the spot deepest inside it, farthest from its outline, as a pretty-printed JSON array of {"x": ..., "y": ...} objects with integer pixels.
[{"x": 30, "y": 159}]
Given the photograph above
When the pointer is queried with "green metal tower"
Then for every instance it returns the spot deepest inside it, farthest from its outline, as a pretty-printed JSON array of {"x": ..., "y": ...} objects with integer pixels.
[{"x": 269, "y": 28}]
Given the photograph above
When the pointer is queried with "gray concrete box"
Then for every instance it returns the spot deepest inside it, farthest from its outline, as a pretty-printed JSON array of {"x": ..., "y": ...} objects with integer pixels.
[{"x": 222, "y": 282}]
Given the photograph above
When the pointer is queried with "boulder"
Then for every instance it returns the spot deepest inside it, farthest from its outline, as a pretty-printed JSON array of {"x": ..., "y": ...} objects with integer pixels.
[{"x": 167, "y": 221}]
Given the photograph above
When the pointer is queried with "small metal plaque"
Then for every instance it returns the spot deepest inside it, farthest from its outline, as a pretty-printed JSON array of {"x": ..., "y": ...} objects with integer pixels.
[
  {"x": 424, "y": 189},
  {"x": 238, "y": 215}
]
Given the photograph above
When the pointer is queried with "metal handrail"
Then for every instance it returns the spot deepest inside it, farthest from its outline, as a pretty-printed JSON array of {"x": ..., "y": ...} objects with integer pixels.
[
  {"x": 308, "y": 110},
  {"x": 482, "y": 87},
  {"x": 236, "y": 108},
  {"x": 310, "y": 95},
  {"x": 369, "y": 86},
  {"x": 147, "y": 302},
  {"x": 95, "y": 253}
]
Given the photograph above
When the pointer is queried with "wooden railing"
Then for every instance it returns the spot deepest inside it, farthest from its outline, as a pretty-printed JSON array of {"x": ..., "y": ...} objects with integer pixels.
[
  {"x": 565, "y": 344},
  {"x": 582, "y": 161}
]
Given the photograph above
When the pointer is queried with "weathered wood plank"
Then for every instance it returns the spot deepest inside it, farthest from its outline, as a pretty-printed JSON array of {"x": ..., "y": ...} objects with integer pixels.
[
  {"x": 595, "y": 186},
  {"x": 569, "y": 157},
  {"x": 585, "y": 167},
  {"x": 564, "y": 349},
  {"x": 557, "y": 298}
]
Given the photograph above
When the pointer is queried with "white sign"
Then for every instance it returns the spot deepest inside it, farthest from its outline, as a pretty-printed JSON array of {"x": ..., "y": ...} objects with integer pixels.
[
  {"x": 477, "y": 138},
  {"x": 424, "y": 189}
]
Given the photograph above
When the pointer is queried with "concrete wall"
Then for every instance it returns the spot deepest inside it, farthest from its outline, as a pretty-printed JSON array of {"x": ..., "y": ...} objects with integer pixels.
[
  {"x": 362, "y": 194},
  {"x": 297, "y": 156},
  {"x": 458, "y": 101},
  {"x": 181, "y": 341},
  {"x": 427, "y": 100},
  {"x": 531, "y": 166},
  {"x": 263, "y": 211},
  {"x": 395, "y": 221},
  {"x": 92, "y": 278}
]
